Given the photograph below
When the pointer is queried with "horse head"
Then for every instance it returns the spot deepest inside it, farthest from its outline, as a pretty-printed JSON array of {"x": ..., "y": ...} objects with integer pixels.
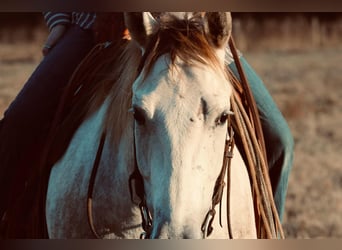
[{"x": 181, "y": 104}]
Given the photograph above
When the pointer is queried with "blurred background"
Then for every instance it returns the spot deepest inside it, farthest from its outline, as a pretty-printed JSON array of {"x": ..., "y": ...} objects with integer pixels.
[{"x": 299, "y": 57}]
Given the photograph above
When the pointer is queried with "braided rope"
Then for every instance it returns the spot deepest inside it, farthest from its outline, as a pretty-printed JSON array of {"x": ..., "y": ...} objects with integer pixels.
[{"x": 249, "y": 129}]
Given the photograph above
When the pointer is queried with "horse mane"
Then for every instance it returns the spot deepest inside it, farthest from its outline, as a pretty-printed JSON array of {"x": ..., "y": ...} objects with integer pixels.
[
  {"x": 121, "y": 92},
  {"x": 107, "y": 73},
  {"x": 180, "y": 38}
]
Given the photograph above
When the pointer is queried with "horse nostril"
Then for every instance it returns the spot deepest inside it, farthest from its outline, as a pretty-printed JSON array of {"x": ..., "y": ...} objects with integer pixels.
[
  {"x": 190, "y": 233},
  {"x": 186, "y": 236}
]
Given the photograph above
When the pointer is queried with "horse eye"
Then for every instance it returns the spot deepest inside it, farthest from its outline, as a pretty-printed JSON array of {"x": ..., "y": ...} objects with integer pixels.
[
  {"x": 222, "y": 119},
  {"x": 139, "y": 116}
]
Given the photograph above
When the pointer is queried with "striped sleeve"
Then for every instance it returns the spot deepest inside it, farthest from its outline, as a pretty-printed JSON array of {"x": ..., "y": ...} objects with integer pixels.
[
  {"x": 84, "y": 20},
  {"x": 54, "y": 18}
]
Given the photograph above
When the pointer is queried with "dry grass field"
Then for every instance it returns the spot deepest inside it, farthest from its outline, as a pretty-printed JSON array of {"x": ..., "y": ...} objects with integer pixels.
[
  {"x": 305, "y": 79},
  {"x": 307, "y": 88}
]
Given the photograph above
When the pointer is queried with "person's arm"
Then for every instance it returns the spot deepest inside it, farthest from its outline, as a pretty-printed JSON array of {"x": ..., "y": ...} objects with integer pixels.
[{"x": 57, "y": 23}]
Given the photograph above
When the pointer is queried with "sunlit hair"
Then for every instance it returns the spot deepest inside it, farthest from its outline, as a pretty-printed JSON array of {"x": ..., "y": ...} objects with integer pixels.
[{"x": 180, "y": 38}]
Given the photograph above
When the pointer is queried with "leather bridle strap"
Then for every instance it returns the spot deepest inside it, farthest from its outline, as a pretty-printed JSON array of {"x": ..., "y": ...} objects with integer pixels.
[
  {"x": 136, "y": 185},
  {"x": 207, "y": 227},
  {"x": 92, "y": 184}
]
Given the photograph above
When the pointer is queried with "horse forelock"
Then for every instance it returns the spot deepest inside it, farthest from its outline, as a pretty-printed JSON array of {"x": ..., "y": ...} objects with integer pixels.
[{"x": 180, "y": 38}]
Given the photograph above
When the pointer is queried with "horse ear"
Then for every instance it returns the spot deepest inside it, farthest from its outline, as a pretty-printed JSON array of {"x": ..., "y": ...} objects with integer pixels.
[
  {"x": 140, "y": 25},
  {"x": 218, "y": 27}
]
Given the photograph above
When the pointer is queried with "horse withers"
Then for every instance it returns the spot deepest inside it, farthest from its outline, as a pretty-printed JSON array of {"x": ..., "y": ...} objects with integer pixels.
[{"x": 167, "y": 123}]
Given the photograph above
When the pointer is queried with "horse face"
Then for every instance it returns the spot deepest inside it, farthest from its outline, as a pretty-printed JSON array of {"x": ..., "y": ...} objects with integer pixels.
[
  {"x": 180, "y": 113},
  {"x": 180, "y": 131}
]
